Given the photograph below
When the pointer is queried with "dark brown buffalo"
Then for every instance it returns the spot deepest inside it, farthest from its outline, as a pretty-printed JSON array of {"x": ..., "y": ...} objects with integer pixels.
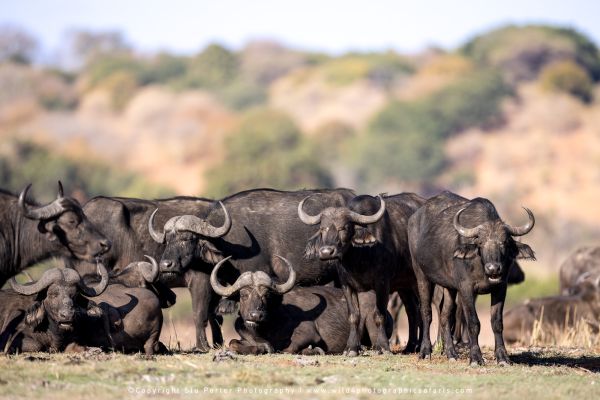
[
  {"x": 44, "y": 315},
  {"x": 125, "y": 222},
  {"x": 257, "y": 223},
  {"x": 367, "y": 240},
  {"x": 556, "y": 312},
  {"x": 283, "y": 318},
  {"x": 31, "y": 233},
  {"x": 463, "y": 246},
  {"x": 132, "y": 313},
  {"x": 583, "y": 260}
]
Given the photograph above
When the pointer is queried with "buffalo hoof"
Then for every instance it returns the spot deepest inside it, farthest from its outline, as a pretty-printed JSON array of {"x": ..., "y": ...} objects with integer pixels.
[
  {"x": 474, "y": 362},
  {"x": 410, "y": 348},
  {"x": 502, "y": 357},
  {"x": 351, "y": 353},
  {"x": 200, "y": 350},
  {"x": 503, "y": 363},
  {"x": 452, "y": 359},
  {"x": 425, "y": 352}
]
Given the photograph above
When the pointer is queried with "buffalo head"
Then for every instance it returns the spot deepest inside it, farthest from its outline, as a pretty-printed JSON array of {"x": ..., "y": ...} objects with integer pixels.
[
  {"x": 57, "y": 290},
  {"x": 339, "y": 228},
  {"x": 185, "y": 238},
  {"x": 254, "y": 288},
  {"x": 492, "y": 240},
  {"x": 64, "y": 221}
]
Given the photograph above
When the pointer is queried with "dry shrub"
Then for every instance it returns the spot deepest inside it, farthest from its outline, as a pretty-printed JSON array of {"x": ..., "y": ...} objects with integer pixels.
[{"x": 584, "y": 334}]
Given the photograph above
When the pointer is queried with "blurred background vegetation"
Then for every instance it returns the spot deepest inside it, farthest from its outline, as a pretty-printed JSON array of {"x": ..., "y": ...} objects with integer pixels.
[{"x": 512, "y": 114}]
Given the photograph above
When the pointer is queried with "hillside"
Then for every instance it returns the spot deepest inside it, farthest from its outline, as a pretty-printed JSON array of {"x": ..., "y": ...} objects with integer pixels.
[{"x": 512, "y": 115}]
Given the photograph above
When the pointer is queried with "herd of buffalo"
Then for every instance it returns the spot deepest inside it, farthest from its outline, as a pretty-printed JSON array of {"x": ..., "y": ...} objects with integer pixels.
[{"x": 311, "y": 271}]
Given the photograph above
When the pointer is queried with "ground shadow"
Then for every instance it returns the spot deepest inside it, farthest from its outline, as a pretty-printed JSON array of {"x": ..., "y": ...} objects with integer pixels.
[{"x": 531, "y": 358}]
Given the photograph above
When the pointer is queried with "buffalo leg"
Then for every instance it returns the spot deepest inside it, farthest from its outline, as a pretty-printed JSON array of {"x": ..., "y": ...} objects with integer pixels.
[
  {"x": 468, "y": 302},
  {"x": 498, "y": 297},
  {"x": 425, "y": 292},
  {"x": 201, "y": 291},
  {"x": 446, "y": 316},
  {"x": 382, "y": 296},
  {"x": 411, "y": 304},
  {"x": 215, "y": 321},
  {"x": 353, "y": 343}
]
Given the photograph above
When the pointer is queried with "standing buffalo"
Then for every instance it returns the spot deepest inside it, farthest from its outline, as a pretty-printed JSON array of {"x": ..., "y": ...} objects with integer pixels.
[
  {"x": 44, "y": 315},
  {"x": 278, "y": 317},
  {"x": 132, "y": 314},
  {"x": 125, "y": 222},
  {"x": 252, "y": 227},
  {"x": 583, "y": 260},
  {"x": 31, "y": 233},
  {"x": 463, "y": 246},
  {"x": 368, "y": 239}
]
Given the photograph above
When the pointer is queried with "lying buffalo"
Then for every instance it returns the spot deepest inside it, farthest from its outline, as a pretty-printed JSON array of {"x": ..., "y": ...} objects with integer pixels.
[
  {"x": 125, "y": 222},
  {"x": 463, "y": 246},
  {"x": 280, "y": 318},
  {"x": 251, "y": 226},
  {"x": 556, "y": 312},
  {"x": 132, "y": 315},
  {"x": 367, "y": 240},
  {"x": 45, "y": 315},
  {"x": 32, "y": 233},
  {"x": 583, "y": 260}
]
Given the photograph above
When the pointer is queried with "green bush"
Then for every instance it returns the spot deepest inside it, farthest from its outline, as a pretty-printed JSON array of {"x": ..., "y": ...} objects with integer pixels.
[
  {"x": 405, "y": 141},
  {"x": 521, "y": 52},
  {"x": 214, "y": 67},
  {"x": 266, "y": 150},
  {"x": 568, "y": 77},
  {"x": 24, "y": 162}
]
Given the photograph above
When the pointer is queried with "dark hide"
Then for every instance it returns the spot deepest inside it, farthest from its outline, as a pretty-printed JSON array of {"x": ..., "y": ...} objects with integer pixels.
[
  {"x": 69, "y": 234},
  {"x": 443, "y": 257}
]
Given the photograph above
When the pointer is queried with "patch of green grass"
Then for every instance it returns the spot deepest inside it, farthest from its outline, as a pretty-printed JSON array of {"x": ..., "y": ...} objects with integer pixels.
[
  {"x": 533, "y": 287},
  {"x": 543, "y": 371}
]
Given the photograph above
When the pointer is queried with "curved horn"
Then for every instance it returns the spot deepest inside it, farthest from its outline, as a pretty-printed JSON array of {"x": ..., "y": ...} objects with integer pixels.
[
  {"x": 369, "y": 219},
  {"x": 304, "y": 217},
  {"x": 149, "y": 270},
  {"x": 47, "y": 279},
  {"x": 291, "y": 281},
  {"x": 522, "y": 230},
  {"x": 96, "y": 290},
  {"x": 200, "y": 226},
  {"x": 158, "y": 237},
  {"x": 61, "y": 191},
  {"x": 45, "y": 212},
  {"x": 466, "y": 232},
  {"x": 219, "y": 289}
]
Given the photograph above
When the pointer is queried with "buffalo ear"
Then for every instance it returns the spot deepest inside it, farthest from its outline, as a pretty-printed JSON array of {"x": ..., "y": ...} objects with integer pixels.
[
  {"x": 210, "y": 253},
  {"x": 47, "y": 228},
  {"x": 35, "y": 314},
  {"x": 525, "y": 252},
  {"x": 466, "y": 251}
]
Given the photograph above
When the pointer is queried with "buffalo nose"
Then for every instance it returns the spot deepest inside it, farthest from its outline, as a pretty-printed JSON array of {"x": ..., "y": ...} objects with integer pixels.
[
  {"x": 493, "y": 268},
  {"x": 166, "y": 265},
  {"x": 255, "y": 315},
  {"x": 327, "y": 251},
  {"x": 65, "y": 314}
]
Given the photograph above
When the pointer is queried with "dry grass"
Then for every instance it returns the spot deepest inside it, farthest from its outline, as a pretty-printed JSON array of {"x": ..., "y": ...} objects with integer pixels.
[{"x": 581, "y": 335}]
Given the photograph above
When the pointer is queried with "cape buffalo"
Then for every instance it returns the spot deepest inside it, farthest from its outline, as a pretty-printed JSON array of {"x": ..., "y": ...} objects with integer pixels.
[
  {"x": 125, "y": 222},
  {"x": 556, "y": 312},
  {"x": 283, "y": 318},
  {"x": 368, "y": 239},
  {"x": 463, "y": 246},
  {"x": 583, "y": 260},
  {"x": 44, "y": 315},
  {"x": 251, "y": 226},
  {"x": 31, "y": 233},
  {"x": 132, "y": 315}
]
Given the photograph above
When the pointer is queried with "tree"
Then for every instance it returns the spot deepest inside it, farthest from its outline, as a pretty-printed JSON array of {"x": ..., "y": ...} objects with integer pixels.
[
  {"x": 16, "y": 45},
  {"x": 266, "y": 150}
]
